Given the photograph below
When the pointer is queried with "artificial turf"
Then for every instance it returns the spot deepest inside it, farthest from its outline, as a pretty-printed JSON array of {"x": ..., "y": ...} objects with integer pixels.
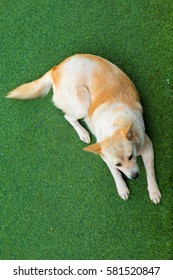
[{"x": 57, "y": 201}]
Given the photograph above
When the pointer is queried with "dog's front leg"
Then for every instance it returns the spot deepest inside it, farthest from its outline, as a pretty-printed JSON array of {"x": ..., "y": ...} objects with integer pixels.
[
  {"x": 122, "y": 188},
  {"x": 148, "y": 159}
]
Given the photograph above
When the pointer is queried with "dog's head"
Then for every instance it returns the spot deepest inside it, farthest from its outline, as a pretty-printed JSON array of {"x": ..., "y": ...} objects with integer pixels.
[{"x": 119, "y": 150}]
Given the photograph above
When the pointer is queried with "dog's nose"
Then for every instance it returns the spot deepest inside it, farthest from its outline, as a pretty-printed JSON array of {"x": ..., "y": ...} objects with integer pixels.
[{"x": 135, "y": 175}]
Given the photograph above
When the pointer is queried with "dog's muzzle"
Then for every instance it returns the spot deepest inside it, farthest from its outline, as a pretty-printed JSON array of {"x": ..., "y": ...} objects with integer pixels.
[{"x": 134, "y": 175}]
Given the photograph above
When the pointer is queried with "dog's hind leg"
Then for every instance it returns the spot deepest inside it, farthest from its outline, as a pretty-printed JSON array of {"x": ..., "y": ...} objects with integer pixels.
[
  {"x": 73, "y": 98},
  {"x": 78, "y": 109},
  {"x": 81, "y": 131}
]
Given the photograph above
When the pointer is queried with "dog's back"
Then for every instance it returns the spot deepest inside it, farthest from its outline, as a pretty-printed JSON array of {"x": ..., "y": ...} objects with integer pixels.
[{"x": 104, "y": 82}]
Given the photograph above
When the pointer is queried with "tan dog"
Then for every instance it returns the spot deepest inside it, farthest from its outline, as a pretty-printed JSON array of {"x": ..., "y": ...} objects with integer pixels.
[{"x": 90, "y": 87}]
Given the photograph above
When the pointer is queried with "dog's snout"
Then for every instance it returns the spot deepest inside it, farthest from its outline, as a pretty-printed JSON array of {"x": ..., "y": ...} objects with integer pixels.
[{"x": 135, "y": 175}]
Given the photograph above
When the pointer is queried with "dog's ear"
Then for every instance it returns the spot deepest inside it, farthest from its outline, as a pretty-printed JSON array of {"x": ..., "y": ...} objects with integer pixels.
[
  {"x": 95, "y": 148},
  {"x": 127, "y": 131}
]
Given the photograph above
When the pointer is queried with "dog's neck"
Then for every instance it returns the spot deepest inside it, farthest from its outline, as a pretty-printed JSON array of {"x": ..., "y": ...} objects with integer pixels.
[{"x": 109, "y": 119}]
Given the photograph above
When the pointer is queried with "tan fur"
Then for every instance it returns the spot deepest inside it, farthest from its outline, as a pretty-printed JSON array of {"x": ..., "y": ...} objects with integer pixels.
[
  {"x": 113, "y": 86},
  {"x": 90, "y": 87}
]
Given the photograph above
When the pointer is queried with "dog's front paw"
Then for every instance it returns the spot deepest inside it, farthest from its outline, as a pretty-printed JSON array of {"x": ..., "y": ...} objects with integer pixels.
[
  {"x": 124, "y": 192},
  {"x": 155, "y": 196}
]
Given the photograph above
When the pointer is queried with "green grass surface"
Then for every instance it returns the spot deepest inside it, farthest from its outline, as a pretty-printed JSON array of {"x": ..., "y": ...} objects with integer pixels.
[{"x": 57, "y": 201}]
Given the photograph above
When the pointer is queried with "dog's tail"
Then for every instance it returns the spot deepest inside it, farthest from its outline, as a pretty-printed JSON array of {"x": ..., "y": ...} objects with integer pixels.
[{"x": 37, "y": 88}]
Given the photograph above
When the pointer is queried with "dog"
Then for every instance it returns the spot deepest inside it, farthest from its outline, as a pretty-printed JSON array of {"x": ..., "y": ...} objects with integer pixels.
[{"x": 92, "y": 88}]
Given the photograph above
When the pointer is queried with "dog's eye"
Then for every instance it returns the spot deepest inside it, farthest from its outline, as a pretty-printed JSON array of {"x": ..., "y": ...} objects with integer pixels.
[
  {"x": 130, "y": 157},
  {"x": 118, "y": 164}
]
